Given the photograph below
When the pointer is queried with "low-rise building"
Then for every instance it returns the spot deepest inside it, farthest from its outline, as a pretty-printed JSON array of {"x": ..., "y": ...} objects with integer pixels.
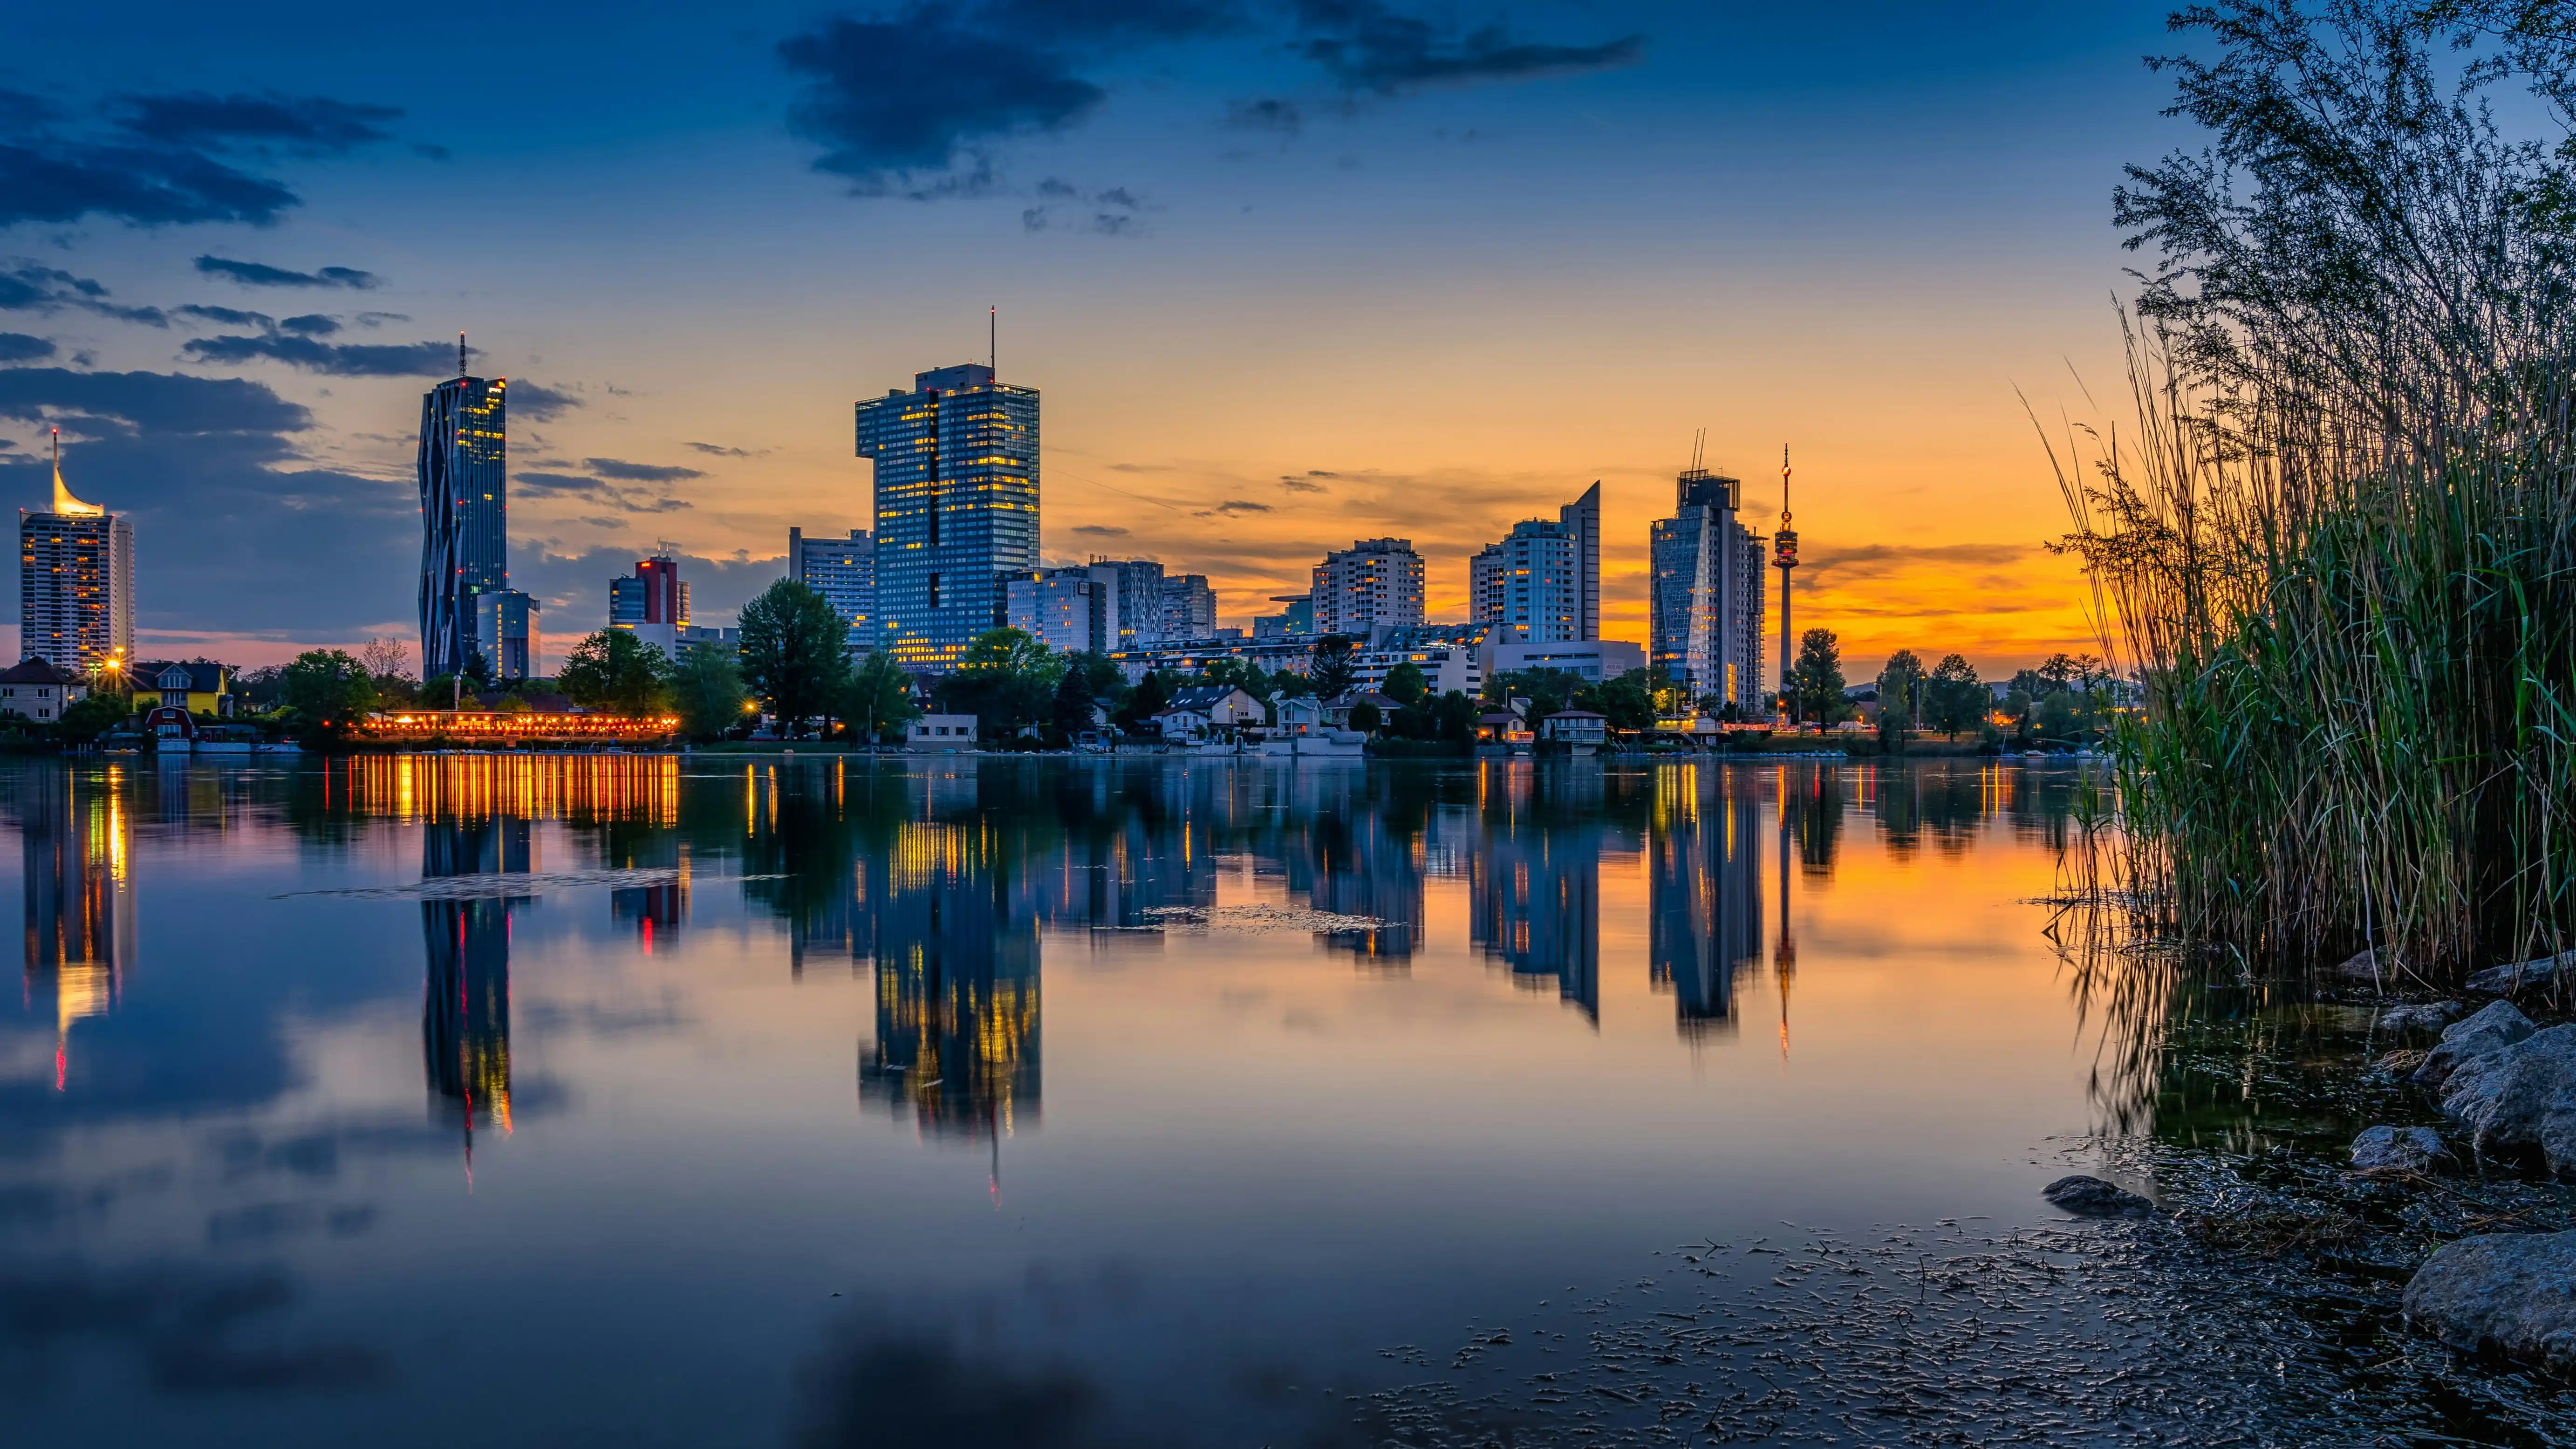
[
  {"x": 35, "y": 690},
  {"x": 941, "y": 731}
]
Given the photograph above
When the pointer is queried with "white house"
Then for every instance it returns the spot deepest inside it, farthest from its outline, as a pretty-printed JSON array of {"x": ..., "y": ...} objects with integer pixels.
[{"x": 941, "y": 731}]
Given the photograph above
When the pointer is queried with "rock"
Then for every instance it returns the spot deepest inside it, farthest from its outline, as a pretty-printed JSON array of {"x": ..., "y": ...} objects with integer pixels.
[
  {"x": 2524, "y": 975},
  {"x": 2397, "y": 1149},
  {"x": 2493, "y": 1028},
  {"x": 2508, "y": 1293},
  {"x": 2091, "y": 1197},
  {"x": 2422, "y": 1016},
  {"x": 2520, "y": 1098}
]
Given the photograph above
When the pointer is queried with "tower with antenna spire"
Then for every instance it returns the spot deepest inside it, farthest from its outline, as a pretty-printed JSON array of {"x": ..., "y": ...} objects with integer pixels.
[
  {"x": 75, "y": 583},
  {"x": 464, "y": 512}
]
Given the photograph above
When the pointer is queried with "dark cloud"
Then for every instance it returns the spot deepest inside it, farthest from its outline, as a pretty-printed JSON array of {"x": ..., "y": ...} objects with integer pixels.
[
  {"x": 222, "y": 505},
  {"x": 714, "y": 450},
  {"x": 1366, "y": 45},
  {"x": 1101, "y": 530},
  {"x": 260, "y": 274},
  {"x": 538, "y": 403},
  {"x": 313, "y": 125},
  {"x": 639, "y": 472},
  {"x": 30, "y": 287},
  {"x": 357, "y": 359},
  {"x": 903, "y": 103},
  {"x": 312, "y": 324},
  {"x": 18, "y": 347}
]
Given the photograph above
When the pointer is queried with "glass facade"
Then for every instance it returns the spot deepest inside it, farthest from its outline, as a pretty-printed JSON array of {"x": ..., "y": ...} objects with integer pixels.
[
  {"x": 464, "y": 514},
  {"x": 956, "y": 507}
]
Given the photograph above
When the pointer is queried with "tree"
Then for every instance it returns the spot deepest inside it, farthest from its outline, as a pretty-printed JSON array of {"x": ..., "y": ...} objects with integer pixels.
[
  {"x": 877, "y": 703},
  {"x": 1900, "y": 690},
  {"x": 1954, "y": 699},
  {"x": 707, "y": 688},
  {"x": 613, "y": 671},
  {"x": 794, "y": 653},
  {"x": 1404, "y": 683},
  {"x": 329, "y": 688},
  {"x": 1334, "y": 666},
  {"x": 1816, "y": 680}
]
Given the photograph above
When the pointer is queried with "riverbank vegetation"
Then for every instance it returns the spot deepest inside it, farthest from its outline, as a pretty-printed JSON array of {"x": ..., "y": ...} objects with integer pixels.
[{"x": 2339, "y": 547}]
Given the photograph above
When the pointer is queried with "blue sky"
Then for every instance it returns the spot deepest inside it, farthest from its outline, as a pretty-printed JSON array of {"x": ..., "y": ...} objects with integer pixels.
[{"x": 1287, "y": 272}]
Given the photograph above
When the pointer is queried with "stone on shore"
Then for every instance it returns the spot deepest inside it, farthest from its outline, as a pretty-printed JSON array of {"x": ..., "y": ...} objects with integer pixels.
[
  {"x": 2524, "y": 976},
  {"x": 2508, "y": 1293},
  {"x": 2493, "y": 1028},
  {"x": 2091, "y": 1197},
  {"x": 2398, "y": 1149},
  {"x": 2520, "y": 1098},
  {"x": 2421, "y": 1016}
]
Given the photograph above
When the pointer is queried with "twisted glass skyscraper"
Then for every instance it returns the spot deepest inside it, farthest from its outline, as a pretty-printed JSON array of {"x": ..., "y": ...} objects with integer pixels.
[
  {"x": 464, "y": 515},
  {"x": 956, "y": 507}
]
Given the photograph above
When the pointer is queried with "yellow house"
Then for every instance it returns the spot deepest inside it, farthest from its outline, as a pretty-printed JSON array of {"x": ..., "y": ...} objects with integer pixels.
[{"x": 197, "y": 686}]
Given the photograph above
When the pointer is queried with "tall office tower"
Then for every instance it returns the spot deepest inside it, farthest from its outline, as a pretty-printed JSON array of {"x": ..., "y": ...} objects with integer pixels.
[
  {"x": 652, "y": 603},
  {"x": 506, "y": 633},
  {"x": 956, "y": 507},
  {"x": 464, "y": 511},
  {"x": 1189, "y": 607},
  {"x": 1374, "y": 581},
  {"x": 75, "y": 583},
  {"x": 1140, "y": 600},
  {"x": 1068, "y": 609},
  {"x": 1581, "y": 521},
  {"x": 1709, "y": 596},
  {"x": 844, "y": 572},
  {"x": 1532, "y": 582}
]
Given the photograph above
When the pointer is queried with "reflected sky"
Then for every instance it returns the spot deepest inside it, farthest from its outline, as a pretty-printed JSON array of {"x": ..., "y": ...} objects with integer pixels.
[{"x": 969, "y": 1100}]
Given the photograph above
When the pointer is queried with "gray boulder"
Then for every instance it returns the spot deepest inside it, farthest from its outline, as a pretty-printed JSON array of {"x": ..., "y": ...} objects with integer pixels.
[
  {"x": 2494, "y": 1027},
  {"x": 2521, "y": 1098},
  {"x": 2398, "y": 1149},
  {"x": 2091, "y": 1197},
  {"x": 2524, "y": 975},
  {"x": 2422, "y": 1016},
  {"x": 2508, "y": 1293}
]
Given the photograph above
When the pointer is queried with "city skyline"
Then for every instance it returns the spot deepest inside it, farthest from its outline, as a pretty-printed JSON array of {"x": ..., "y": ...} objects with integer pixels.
[{"x": 1861, "y": 246}]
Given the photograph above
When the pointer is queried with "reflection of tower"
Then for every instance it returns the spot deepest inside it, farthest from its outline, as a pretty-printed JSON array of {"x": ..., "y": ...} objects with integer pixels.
[
  {"x": 1704, "y": 892},
  {"x": 465, "y": 998},
  {"x": 957, "y": 986},
  {"x": 80, "y": 904},
  {"x": 1536, "y": 883}
]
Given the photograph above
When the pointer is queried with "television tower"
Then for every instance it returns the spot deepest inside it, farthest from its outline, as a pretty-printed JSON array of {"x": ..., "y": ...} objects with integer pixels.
[{"x": 1784, "y": 557}]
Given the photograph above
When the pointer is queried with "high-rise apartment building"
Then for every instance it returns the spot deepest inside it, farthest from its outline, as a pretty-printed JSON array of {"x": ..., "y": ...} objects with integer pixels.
[
  {"x": 652, "y": 603},
  {"x": 1189, "y": 607},
  {"x": 1709, "y": 598},
  {"x": 1374, "y": 581},
  {"x": 75, "y": 583},
  {"x": 464, "y": 512},
  {"x": 956, "y": 507},
  {"x": 844, "y": 572},
  {"x": 1068, "y": 609},
  {"x": 506, "y": 633}
]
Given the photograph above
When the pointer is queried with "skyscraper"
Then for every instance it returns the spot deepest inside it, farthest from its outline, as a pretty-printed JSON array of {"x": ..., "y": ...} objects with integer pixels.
[
  {"x": 75, "y": 582},
  {"x": 844, "y": 572},
  {"x": 956, "y": 507},
  {"x": 1374, "y": 581},
  {"x": 1709, "y": 597},
  {"x": 464, "y": 512}
]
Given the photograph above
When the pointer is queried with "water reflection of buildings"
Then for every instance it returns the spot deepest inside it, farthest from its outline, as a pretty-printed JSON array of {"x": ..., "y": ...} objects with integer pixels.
[
  {"x": 465, "y": 996},
  {"x": 1704, "y": 891},
  {"x": 75, "y": 838}
]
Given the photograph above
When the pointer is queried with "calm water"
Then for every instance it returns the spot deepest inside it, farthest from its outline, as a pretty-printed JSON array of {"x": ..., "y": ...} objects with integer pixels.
[{"x": 873, "y": 1103}]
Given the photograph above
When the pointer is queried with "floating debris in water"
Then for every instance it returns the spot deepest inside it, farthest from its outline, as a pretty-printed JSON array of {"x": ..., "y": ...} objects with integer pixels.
[
  {"x": 1259, "y": 918},
  {"x": 506, "y": 886}
]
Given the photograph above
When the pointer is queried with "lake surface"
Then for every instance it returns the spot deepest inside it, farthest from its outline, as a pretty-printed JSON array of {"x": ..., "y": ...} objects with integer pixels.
[{"x": 725, "y": 1100}]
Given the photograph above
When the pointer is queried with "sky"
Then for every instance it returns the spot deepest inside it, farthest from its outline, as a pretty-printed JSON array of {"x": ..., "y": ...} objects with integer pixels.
[{"x": 1288, "y": 273}]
